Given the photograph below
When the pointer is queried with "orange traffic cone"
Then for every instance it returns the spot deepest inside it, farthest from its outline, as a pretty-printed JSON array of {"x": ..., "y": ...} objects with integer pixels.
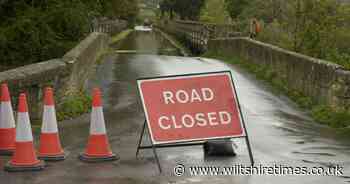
[
  {"x": 50, "y": 146},
  {"x": 7, "y": 123},
  {"x": 24, "y": 158},
  {"x": 98, "y": 148}
]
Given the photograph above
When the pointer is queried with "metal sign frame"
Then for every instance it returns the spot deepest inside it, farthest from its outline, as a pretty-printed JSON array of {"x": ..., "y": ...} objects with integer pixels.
[{"x": 195, "y": 142}]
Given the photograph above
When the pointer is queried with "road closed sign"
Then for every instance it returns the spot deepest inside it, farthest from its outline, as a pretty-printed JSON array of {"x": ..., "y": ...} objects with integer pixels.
[{"x": 191, "y": 107}]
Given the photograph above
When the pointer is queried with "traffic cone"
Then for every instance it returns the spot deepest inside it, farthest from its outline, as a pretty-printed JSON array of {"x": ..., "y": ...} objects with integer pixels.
[
  {"x": 7, "y": 123},
  {"x": 50, "y": 146},
  {"x": 98, "y": 148},
  {"x": 24, "y": 157}
]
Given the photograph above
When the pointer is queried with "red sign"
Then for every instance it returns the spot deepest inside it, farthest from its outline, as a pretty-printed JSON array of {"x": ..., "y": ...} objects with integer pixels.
[{"x": 191, "y": 107}]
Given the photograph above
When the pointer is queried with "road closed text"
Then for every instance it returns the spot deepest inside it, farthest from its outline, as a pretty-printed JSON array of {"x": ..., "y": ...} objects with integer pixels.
[
  {"x": 200, "y": 119},
  {"x": 191, "y": 108}
]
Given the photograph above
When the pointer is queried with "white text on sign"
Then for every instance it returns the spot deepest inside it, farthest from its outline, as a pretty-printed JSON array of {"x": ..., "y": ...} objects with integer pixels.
[{"x": 192, "y": 120}]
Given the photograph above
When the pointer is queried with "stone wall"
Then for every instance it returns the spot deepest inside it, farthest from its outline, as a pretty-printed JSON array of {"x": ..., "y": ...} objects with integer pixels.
[
  {"x": 81, "y": 59},
  {"x": 324, "y": 82},
  {"x": 66, "y": 75},
  {"x": 195, "y": 35},
  {"x": 215, "y": 30}
]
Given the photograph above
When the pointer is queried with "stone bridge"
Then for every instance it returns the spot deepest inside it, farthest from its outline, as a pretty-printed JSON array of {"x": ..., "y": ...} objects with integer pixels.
[
  {"x": 325, "y": 83},
  {"x": 280, "y": 132}
]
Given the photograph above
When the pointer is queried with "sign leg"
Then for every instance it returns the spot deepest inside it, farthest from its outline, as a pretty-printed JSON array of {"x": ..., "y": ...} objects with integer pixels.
[
  {"x": 140, "y": 140},
  {"x": 250, "y": 151},
  {"x": 153, "y": 147},
  {"x": 154, "y": 151},
  {"x": 243, "y": 122},
  {"x": 157, "y": 159}
]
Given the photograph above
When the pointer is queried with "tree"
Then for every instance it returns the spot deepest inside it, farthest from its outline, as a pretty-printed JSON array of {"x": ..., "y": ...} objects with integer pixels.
[
  {"x": 125, "y": 9},
  {"x": 318, "y": 28},
  {"x": 236, "y": 7},
  {"x": 188, "y": 9},
  {"x": 314, "y": 24},
  {"x": 37, "y": 30},
  {"x": 214, "y": 11},
  {"x": 185, "y": 9},
  {"x": 167, "y": 6}
]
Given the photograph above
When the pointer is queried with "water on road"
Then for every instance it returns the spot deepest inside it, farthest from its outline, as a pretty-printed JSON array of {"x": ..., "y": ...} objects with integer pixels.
[{"x": 280, "y": 133}]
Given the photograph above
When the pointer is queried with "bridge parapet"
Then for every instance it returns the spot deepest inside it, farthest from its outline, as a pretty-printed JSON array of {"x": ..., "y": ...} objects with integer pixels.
[
  {"x": 197, "y": 34},
  {"x": 215, "y": 30},
  {"x": 108, "y": 26},
  {"x": 67, "y": 75},
  {"x": 324, "y": 82}
]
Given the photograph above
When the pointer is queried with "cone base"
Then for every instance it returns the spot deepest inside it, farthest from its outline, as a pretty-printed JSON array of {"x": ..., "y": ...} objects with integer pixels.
[
  {"x": 8, "y": 152},
  {"x": 85, "y": 158},
  {"x": 16, "y": 168},
  {"x": 58, "y": 157}
]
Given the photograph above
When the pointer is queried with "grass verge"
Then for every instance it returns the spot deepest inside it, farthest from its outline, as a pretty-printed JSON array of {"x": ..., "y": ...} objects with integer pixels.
[
  {"x": 116, "y": 38},
  {"x": 339, "y": 119}
]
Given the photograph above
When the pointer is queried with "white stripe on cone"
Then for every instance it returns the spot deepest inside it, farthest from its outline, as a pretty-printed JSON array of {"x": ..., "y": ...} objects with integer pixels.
[
  {"x": 49, "y": 120},
  {"x": 97, "y": 126},
  {"x": 24, "y": 130},
  {"x": 6, "y": 116}
]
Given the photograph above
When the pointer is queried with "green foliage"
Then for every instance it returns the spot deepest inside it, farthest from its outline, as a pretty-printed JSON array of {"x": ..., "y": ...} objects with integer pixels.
[
  {"x": 34, "y": 31},
  {"x": 302, "y": 100},
  {"x": 338, "y": 57},
  {"x": 328, "y": 116},
  {"x": 214, "y": 15},
  {"x": 74, "y": 106},
  {"x": 125, "y": 9},
  {"x": 274, "y": 34},
  {"x": 267, "y": 11},
  {"x": 235, "y": 7},
  {"x": 185, "y": 9},
  {"x": 317, "y": 28},
  {"x": 167, "y": 6},
  {"x": 316, "y": 25}
]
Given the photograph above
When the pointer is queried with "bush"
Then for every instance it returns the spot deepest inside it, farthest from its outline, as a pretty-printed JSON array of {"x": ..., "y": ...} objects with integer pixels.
[
  {"x": 35, "y": 31},
  {"x": 317, "y": 28},
  {"x": 327, "y": 116},
  {"x": 33, "y": 34},
  {"x": 74, "y": 106}
]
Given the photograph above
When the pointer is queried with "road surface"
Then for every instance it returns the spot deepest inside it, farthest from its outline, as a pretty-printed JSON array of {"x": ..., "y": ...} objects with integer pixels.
[{"x": 280, "y": 133}]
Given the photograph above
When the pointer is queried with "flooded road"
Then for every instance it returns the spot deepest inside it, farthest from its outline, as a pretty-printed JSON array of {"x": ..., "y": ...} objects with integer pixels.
[{"x": 280, "y": 133}]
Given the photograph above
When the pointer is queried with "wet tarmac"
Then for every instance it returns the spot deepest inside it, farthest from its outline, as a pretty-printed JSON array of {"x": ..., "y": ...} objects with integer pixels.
[{"x": 279, "y": 131}]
